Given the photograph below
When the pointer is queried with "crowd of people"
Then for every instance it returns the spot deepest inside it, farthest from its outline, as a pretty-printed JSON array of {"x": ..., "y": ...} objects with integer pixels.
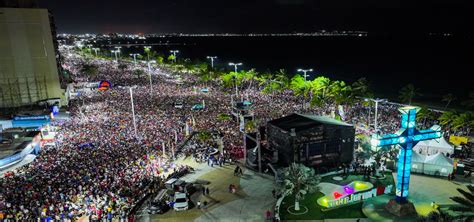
[{"x": 105, "y": 180}]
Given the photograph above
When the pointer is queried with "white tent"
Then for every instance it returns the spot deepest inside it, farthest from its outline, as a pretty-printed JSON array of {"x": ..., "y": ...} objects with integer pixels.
[
  {"x": 430, "y": 147},
  {"x": 438, "y": 165},
  {"x": 417, "y": 162}
]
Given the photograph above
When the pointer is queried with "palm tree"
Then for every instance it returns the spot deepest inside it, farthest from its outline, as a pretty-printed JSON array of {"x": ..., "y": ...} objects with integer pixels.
[
  {"x": 360, "y": 88},
  {"x": 340, "y": 92},
  {"x": 464, "y": 121},
  {"x": 138, "y": 72},
  {"x": 447, "y": 118},
  {"x": 321, "y": 90},
  {"x": 90, "y": 69},
  {"x": 469, "y": 102},
  {"x": 448, "y": 98},
  {"x": 300, "y": 87},
  {"x": 299, "y": 180},
  {"x": 423, "y": 114},
  {"x": 409, "y": 92},
  {"x": 250, "y": 76},
  {"x": 466, "y": 202},
  {"x": 282, "y": 76}
]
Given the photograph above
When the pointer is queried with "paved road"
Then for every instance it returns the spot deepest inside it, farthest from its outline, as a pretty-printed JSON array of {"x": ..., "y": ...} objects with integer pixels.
[{"x": 250, "y": 208}]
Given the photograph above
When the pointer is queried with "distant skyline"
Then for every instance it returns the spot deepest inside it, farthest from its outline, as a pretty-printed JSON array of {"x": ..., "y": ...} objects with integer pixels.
[{"x": 262, "y": 16}]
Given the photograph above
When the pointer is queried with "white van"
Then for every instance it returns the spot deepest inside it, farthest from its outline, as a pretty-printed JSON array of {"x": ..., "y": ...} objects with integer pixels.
[{"x": 180, "y": 201}]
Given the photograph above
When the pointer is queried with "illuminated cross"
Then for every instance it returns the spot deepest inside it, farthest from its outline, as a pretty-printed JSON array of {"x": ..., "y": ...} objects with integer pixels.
[{"x": 407, "y": 137}]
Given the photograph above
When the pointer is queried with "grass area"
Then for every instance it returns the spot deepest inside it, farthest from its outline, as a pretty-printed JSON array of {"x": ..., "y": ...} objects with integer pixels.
[
  {"x": 314, "y": 210},
  {"x": 346, "y": 180}
]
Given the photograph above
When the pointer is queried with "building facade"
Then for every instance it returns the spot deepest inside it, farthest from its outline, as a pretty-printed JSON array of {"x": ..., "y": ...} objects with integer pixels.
[{"x": 28, "y": 58}]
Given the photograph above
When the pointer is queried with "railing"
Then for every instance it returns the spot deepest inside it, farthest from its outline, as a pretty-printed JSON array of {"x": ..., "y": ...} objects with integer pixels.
[{"x": 17, "y": 157}]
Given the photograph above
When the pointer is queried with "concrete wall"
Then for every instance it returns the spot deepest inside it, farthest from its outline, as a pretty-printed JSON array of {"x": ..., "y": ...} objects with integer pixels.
[{"x": 28, "y": 69}]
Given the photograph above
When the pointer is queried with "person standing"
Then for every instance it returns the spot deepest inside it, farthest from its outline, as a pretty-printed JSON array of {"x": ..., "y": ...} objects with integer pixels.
[
  {"x": 207, "y": 191},
  {"x": 268, "y": 215},
  {"x": 198, "y": 204}
]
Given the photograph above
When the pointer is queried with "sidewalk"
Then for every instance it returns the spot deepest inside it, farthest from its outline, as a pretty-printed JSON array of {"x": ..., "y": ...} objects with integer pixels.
[{"x": 251, "y": 207}]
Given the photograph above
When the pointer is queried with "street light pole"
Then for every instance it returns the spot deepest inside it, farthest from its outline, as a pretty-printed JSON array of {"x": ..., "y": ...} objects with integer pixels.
[
  {"x": 376, "y": 101},
  {"x": 149, "y": 73},
  {"x": 305, "y": 76},
  {"x": 134, "y": 57},
  {"x": 235, "y": 81},
  {"x": 95, "y": 50},
  {"x": 304, "y": 72},
  {"x": 118, "y": 49},
  {"x": 133, "y": 112},
  {"x": 115, "y": 52},
  {"x": 212, "y": 60},
  {"x": 174, "y": 54}
]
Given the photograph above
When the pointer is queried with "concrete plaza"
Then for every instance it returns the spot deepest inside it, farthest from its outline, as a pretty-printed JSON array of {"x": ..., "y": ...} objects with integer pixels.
[
  {"x": 423, "y": 191},
  {"x": 252, "y": 198}
]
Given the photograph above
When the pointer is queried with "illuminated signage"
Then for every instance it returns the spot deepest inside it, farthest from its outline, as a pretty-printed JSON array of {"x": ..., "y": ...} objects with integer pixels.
[
  {"x": 353, "y": 192},
  {"x": 104, "y": 85}
]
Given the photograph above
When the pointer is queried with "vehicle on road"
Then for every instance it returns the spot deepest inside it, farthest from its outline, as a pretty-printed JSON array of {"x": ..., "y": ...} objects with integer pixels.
[{"x": 180, "y": 202}]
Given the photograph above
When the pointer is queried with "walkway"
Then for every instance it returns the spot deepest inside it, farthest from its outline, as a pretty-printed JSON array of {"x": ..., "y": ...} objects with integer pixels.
[
  {"x": 252, "y": 207},
  {"x": 423, "y": 190},
  {"x": 249, "y": 203}
]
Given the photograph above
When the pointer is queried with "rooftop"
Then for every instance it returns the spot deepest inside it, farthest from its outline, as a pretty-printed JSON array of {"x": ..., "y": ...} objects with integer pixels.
[{"x": 302, "y": 122}]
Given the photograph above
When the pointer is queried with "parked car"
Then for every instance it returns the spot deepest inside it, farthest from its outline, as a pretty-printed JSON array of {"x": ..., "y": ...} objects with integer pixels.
[
  {"x": 180, "y": 201},
  {"x": 158, "y": 208}
]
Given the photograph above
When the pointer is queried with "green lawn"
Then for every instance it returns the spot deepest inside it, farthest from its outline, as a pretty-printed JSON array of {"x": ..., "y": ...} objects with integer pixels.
[
  {"x": 314, "y": 210},
  {"x": 387, "y": 181}
]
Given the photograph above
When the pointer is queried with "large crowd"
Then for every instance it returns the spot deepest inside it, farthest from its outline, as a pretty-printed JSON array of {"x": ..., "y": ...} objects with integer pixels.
[{"x": 99, "y": 167}]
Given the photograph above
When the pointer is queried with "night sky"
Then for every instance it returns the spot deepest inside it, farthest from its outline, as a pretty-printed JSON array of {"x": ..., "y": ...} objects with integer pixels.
[{"x": 259, "y": 16}]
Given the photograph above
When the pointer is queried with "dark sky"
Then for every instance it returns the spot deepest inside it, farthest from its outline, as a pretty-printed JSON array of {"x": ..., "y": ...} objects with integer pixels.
[{"x": 261, "y": 16}]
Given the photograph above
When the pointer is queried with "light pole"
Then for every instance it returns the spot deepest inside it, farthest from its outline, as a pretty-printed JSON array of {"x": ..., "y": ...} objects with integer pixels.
[
  {"x": 89, "y": 47},
  {"x": 235, "y": 79},
  {"x": 147, "y": 50},
  {"x": 212, "y": 60},
  {"x": 118, "y": 49},
  {"x": 149, "y": 73},
  {"x": 115, "y": 52},
  {"x": 133, "y": 112},
  {"x": 376, "y": 101},
  {"x": 96, "y": 50},
  {"x": 304, "y": 72},
  {"x": 134, "y": 57},
  {"x": 174, "y": 54},
  {"x": 305, "y": 75}
]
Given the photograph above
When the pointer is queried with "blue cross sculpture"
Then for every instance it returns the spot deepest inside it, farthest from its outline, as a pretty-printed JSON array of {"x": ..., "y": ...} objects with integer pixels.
[{"x": 407, "y": 137}]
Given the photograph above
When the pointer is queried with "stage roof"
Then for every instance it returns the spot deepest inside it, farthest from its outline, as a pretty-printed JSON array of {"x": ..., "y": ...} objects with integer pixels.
[{"x": 302, "y": 122}]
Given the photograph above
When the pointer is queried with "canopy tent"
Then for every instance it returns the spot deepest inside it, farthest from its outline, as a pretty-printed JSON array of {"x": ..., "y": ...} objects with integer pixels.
[
  {"x": 438, "y": 165},
  {"x": 417, "y": 162},
  {"x": 430, "y": 147}
]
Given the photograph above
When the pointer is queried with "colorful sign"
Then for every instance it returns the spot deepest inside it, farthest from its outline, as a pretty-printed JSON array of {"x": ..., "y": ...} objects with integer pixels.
[
  {"x": 353, "y": 192},
  {"x": 104, "y": 85},
  {"x": 457, "y": 140}
]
